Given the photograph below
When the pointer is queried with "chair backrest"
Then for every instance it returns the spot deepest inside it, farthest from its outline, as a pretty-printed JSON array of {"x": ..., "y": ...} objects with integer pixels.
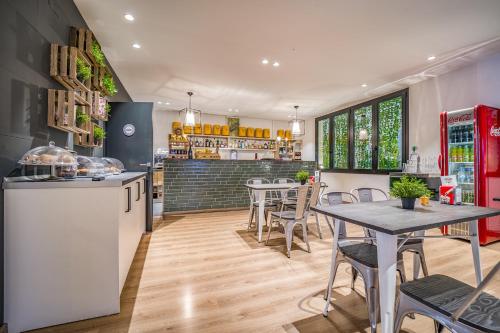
[
  {"x": 313, "y": 200},
  {"x": 366, "y": 194},
  {"x": 338, "y": 198},
  {"x": 282, "y": 194},
  {"x": 300, "y": 207}
]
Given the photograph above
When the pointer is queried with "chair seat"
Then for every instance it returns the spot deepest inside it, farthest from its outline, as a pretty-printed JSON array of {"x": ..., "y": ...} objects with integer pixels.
[
  {"x": 413, "y": 242},
  {"x": 445, "y": 294},
  {"x": 364, "y": 253},
  {"x": 288, "y": 202},
  {"x": 286, "y": 215}
]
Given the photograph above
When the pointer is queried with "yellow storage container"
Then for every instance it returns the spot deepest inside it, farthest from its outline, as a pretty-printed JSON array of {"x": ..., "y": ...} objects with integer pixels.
[
  {"x": 207, "y": 129},
  {"x": 267, "y": 133},
  {"x": 197, "y": 129},
  {"x": 188, "y": 129},
  {"x": 288, "y": 134},
  {"x": 176, "y": 124},
  {"x": 280, "y": 133},
  {"x": 216, "y": 130},
  {"x": 250, "y": 132},
  {"x": 242, "y": 131},
  {"x": 225, "y": 130},
  {"x": 258, "y": 132}
]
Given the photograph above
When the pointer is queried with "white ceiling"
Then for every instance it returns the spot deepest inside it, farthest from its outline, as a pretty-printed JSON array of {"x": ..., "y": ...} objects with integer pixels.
[{"x": 326, "y": 48}]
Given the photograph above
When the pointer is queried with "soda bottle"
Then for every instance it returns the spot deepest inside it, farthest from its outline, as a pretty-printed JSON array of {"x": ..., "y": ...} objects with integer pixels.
[
  {"x": 453, "y": 154},
  {"x": 452, "y": 135},
  {"x": 465, "y": 158},
  {"x": 471, "y": 153},
  {"x": 460, "y": 154}
]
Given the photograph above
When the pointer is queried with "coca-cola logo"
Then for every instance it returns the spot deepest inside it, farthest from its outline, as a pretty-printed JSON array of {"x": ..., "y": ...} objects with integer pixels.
[
  {"x": 494, "y": 131},
  {"x": 459, "y": 118}
]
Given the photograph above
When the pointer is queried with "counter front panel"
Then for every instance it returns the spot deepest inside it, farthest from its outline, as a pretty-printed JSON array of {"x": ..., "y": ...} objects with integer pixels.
[{"x": 191, "y": 185}]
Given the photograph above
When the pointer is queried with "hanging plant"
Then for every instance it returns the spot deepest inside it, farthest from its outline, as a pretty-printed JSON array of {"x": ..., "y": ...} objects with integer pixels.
[
  {"x": 83, "y": 71},
  {"x": 107, "y": 108},
  {"x": 109, "y": 84},
  {"x": 99, "y": 133},
  {"x": 98, "y": 55},
  {"x": 81, "y": 117}
]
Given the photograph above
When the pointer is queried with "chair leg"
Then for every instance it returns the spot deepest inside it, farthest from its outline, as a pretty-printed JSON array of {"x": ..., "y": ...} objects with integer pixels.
[
  {"x": 318, "y": 226},
  {"x": 438, "y": 327},
  {"x": 354, "y": 274},
  {"x": 269, "y": 230},
  {"x": 289, "y": 237},
  {"x": 304, "y": 235},
  {"x": 422, "y": 261},
  {"x": 334, "y": 272},
  {"x": 402, "y": 273},
  {"x": 250, "y": 219},
  {"x": 372, "y": 303}
]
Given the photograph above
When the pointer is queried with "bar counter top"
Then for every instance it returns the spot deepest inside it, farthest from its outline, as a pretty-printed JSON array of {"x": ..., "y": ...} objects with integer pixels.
[
  {"x": 110, "y": 181},
  {"x": 204, "y": 185}
]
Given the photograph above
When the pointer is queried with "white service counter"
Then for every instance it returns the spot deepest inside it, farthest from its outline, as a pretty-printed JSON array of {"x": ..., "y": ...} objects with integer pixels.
[{"x": 68, "y": 247}]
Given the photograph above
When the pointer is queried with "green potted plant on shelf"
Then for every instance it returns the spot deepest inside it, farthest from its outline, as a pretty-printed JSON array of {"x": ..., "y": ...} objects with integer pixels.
[
  {"x": 408, "y": 189},
  {"x": 107, "y": 109},
  {"x": 83, "y": 71},
  {"x": 109, "y": 84},
  {"x": 81, "y": 117},
  {"x": 97, "y": 53},
  {"x": 302, "y": 176},
  {"x": 99, "y": 135}
]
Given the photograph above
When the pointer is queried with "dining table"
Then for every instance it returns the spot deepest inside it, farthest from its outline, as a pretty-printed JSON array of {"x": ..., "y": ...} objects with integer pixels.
[{"x": 394, "y": 225}]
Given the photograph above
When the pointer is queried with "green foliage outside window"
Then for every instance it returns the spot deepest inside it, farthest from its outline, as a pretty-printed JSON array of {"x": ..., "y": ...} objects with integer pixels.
[
  {"x": 324, "y": 143},
  {"x": 340, "y": 141},
  {"x": 363, "y": 146},
  {"x": 390, "y": 128}
]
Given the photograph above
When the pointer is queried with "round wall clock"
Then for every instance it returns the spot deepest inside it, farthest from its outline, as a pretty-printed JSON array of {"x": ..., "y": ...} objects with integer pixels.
[{"x": 128, "y": 129}]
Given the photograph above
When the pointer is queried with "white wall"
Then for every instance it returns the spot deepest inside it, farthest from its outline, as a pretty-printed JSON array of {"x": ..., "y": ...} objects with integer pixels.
[
  {"x": 478, "y": 83},
  {"x": 162, "y": 127}
]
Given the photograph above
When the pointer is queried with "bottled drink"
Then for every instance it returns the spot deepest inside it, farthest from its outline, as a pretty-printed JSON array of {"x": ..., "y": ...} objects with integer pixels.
[
  {"x": 453, "y": 154},
  {"x": 460, "y": 154},
  {"x": 464, "y": 135},
  {"x": 465, "y": 157},
  {"x": 453, "y": 137},
  {"x": 471, "y": 153}
]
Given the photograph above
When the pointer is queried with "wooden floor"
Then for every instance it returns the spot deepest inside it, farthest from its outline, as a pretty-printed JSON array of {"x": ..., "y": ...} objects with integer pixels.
[{"x": 206, "y": 273}]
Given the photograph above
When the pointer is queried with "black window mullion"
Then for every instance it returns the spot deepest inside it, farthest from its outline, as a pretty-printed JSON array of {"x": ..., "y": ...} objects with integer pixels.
[
  {"x": 332, "y": 148},
  {"x": 350, "y": 145},
  {"x": 375, "y": 136}
]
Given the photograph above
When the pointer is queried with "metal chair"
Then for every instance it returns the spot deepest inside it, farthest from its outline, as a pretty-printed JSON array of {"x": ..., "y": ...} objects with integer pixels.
[
  {"x": 451, "y": 303},
  {"x": 289, "y": 219},
  {"x": 254, "y": 206},
  {"x": 416, "y": 246},
  {"x": 362, "y": 257}
]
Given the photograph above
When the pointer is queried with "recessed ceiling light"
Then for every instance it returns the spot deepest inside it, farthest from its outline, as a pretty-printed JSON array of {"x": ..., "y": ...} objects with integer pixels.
[
  {"x": 364, "y": 85},
  {"x": 236, "y": 110},
  {"x": 229, "y": 109},
  {"x": 265, "y": 61},
  {"x": 136, "y": 46},
  {"x": 167, "y": 103},
  {"x": 160, "y": 102},
  {"x": 129, "y": 17},
  {"x": 276, "y": 64},
  {"x": 431, "y": 58}
]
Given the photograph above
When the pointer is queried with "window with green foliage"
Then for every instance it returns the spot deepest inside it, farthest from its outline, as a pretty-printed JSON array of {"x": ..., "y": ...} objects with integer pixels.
[
  {"x": 390, "y": 129},
  {"x": 341, "y": 141},
  {"x": 324, "y": 144},
  {"x": 371, "y": 137},
  {"x": 363, "y": 137}
]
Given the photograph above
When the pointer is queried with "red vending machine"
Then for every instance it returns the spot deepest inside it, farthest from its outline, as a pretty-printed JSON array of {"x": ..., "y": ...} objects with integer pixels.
[{"x": 470, "y": 149}]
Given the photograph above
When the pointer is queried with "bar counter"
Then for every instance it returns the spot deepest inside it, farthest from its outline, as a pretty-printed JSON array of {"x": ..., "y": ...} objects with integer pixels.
[{"x": 204, "y": 185}]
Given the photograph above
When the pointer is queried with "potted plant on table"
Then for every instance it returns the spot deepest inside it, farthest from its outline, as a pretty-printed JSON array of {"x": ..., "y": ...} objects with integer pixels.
[
  {"x": 408, "y": 189},
  {"x": 302, "y": 176}
]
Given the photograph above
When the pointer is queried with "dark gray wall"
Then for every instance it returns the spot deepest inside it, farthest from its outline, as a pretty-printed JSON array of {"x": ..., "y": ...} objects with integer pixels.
[
  {"x": 213, "y": 184},
  {"x": 27, "y": 27}
]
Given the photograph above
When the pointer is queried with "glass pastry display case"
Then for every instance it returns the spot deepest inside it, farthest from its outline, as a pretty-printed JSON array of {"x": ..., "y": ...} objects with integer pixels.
[
  {"x": 90, "y": 166},
  {"x": 48, "y": 163},
  {"x": 113, "y": 166}
]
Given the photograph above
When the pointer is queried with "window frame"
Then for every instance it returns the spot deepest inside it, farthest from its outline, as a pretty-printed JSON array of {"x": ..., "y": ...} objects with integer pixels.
[{"x": 374, "y": 103}]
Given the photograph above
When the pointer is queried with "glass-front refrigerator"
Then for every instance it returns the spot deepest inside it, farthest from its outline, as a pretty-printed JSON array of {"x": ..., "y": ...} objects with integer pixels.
[{"x": 470, "y": 149}]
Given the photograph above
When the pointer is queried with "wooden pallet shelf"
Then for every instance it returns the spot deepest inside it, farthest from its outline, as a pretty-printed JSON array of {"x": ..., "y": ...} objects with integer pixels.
[
  {"x": 61, "y": 107},
  {"x": 99, "y": 103},
  {"x": 83, "y": 39},
  {"x": 63, "y": 67},
  {"x": 87, "y": 139}
]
